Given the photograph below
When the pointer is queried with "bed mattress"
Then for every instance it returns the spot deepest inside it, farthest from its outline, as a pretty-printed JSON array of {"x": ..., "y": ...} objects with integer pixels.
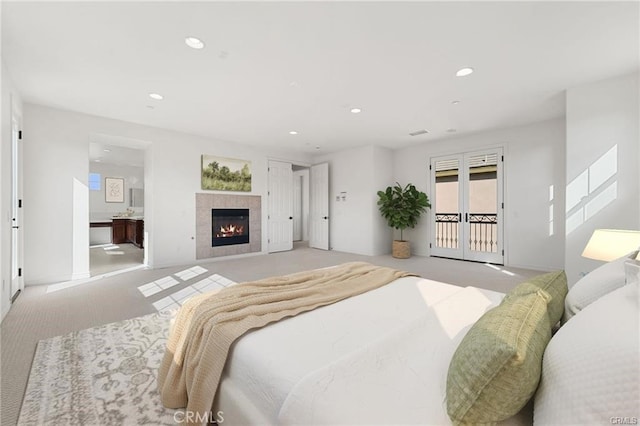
[{"x": 297, "y": 370}]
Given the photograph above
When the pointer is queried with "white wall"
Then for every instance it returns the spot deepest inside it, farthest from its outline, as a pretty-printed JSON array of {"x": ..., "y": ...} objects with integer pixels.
[
  {"x": 355, "y": 225},
  {"x": 80, "y": 229},
  {"x": 57, "y": 153},
  {"x": 534, "y": 161},
  {"x": 133, "y": 178},
  {"x": 9, "y": 95},
  {"x": 603, "y": 139},
  {"x": 382, "y": 176}
]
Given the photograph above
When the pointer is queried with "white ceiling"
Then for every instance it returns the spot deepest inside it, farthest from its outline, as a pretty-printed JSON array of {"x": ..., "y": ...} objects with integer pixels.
[
  {"x": 108, "y": 153},
  {"x": 269, "y": 68}
]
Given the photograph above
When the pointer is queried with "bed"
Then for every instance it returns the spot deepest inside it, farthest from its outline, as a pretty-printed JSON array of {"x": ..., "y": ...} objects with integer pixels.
[{"x": 385, "y": 357}]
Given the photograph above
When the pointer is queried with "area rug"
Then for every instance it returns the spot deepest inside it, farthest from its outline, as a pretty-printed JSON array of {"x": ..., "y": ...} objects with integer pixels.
[{"x": 100, "y": 376}]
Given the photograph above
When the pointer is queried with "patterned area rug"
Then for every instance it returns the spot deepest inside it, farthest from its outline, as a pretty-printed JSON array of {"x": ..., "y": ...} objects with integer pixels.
[{"x": 100, "y": 376}]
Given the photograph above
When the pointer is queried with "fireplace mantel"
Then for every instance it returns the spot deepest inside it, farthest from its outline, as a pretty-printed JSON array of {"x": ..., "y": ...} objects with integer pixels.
[{"x": 205, "y": 202}]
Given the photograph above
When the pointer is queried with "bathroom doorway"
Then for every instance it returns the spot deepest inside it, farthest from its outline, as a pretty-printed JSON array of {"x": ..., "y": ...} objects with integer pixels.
[{"x": 116, "y": 205}]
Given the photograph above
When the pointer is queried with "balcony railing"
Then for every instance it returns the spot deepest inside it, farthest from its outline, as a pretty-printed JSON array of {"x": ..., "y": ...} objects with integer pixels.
[
  {"x": 483, "y": 231},
  {"x": 447, "y": 229}
]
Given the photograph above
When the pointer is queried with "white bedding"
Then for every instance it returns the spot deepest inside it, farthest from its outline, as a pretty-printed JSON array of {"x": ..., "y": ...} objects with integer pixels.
[{"x": 386, "y": 350}]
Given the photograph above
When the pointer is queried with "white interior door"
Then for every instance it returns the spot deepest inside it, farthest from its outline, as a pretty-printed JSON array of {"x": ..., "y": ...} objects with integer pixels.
[
  {"x": 319, "y": 206},
  {"x": 17, "y": 231},
  {"x": 467, "y": 206},
  {"x": 280, "y": 205}
]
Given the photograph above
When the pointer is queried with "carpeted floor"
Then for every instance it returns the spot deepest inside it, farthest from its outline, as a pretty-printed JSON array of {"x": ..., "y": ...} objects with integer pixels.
[{"x": 42, "y": 312}]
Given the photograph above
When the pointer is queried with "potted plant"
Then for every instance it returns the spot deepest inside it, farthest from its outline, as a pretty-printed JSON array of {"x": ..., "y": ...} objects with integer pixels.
[{"x": 402, "y": 207}]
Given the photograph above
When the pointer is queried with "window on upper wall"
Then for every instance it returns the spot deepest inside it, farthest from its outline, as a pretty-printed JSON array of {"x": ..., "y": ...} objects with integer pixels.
[{"x": 94, "y": 181}]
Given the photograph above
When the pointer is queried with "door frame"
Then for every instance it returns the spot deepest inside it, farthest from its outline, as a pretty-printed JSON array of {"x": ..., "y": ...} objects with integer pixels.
[
  {"x": 16, "y": 284},
  {"x": 324, "y": 214}
]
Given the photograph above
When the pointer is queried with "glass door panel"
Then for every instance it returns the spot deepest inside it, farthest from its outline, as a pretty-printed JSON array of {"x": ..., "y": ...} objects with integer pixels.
[
  {"x": 481, "y": 213},
  {"x": 446, "y": 207}
]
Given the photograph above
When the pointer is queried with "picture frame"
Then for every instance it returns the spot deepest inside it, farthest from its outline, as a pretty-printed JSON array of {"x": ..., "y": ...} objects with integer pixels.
[
  {"x": 113, "y": 190},
  {"x": 225, "y": 174}
]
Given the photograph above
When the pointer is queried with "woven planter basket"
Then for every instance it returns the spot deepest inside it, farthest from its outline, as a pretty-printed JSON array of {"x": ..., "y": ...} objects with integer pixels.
[{"x": 401, "y": 249}]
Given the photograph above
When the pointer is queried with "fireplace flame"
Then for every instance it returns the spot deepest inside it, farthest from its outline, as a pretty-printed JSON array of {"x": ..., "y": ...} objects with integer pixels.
[{"x": 230, "y": 231}]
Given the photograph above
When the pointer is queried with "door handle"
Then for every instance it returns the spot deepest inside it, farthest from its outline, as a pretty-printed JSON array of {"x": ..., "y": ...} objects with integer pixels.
[
  {"x": 466, "y": 217},
  {"x": 15, "y": 227},
  {"x": 290, "y": 217},
  {"x": 459, "y": 217}
]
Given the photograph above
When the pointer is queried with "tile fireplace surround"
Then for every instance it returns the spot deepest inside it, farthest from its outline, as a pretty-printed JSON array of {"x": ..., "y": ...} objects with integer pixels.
[{"x": 206, "y": 202}]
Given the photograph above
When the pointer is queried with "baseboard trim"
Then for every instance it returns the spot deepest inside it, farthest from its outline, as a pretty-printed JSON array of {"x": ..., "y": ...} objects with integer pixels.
[{"x": 80, "y": 275}]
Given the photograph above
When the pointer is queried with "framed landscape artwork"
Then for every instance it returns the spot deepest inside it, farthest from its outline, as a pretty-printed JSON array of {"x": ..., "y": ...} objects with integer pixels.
[
  {"x": 114, "y": 190},
  {"x": 225, "y": 174}
]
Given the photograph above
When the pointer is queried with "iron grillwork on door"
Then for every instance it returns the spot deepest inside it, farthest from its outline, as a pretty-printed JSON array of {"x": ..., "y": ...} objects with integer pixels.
[
  {"x": 483, "y": 235},
  {"x": 447, "y": 230}
]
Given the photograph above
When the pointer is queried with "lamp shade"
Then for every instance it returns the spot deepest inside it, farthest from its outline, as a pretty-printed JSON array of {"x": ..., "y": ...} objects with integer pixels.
[{"x": 610, "y": 244}]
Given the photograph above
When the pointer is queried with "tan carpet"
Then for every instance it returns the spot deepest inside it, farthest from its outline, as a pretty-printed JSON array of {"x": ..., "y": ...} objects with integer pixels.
[{"x": 38, "y": 315}]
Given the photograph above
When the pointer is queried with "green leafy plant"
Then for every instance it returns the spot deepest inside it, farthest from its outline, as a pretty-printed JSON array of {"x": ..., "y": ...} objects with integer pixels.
[{"x": 402, "y": 207}]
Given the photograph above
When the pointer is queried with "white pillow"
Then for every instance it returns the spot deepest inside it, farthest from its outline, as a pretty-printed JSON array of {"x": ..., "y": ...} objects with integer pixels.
[
  {"x": 590, "y": 369},
  {"x": 594, "y": 285}
]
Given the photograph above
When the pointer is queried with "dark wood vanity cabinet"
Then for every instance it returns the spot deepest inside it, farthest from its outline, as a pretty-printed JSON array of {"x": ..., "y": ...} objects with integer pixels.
[
  {"x": 128, "y": 231},
  {"x": 119, "y": 231}
]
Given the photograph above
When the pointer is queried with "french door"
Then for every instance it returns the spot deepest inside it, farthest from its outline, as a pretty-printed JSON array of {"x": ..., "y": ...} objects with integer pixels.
[{"x": 467, "y": 206}]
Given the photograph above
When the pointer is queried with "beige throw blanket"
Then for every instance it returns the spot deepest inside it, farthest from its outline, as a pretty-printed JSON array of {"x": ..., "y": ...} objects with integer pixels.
[{"x": 207, "y": 325}]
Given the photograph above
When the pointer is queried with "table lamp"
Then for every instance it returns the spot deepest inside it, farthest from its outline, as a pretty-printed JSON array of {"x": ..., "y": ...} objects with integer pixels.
[{"x": 611, "y": 244}]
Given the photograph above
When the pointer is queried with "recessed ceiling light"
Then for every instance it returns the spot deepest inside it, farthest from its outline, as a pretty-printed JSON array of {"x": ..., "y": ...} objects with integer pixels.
[
  {"x": 150, "y": 106},
  {"x": 194, "y": 42},
  {"x": 293, "y": 132},
  {"x": 156, "y": 96},
  {"x": 419, "y": 132},
  {"x": 455, "y": 102},
  {"x": 106, "y": 150},
  {"x": 356, "y": 110},
  {"x": 317, "y": 147},
  {"x": 97, "y": 161},
  {"x": 451, "y": 130},
  {"x": 464, "y": 72}
]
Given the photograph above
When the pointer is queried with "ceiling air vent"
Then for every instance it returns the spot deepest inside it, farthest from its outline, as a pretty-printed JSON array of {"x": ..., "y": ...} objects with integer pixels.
[{"x": 419, "y": 132}]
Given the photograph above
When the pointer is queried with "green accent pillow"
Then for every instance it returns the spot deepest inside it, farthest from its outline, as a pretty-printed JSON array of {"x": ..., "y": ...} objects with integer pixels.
[
  {"x": 496, "y": 368},
  {"x": 554, "y": 284}
]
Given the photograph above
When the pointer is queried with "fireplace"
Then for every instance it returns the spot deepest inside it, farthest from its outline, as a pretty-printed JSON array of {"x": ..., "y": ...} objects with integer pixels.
[{"x": 229, "y": 227}]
